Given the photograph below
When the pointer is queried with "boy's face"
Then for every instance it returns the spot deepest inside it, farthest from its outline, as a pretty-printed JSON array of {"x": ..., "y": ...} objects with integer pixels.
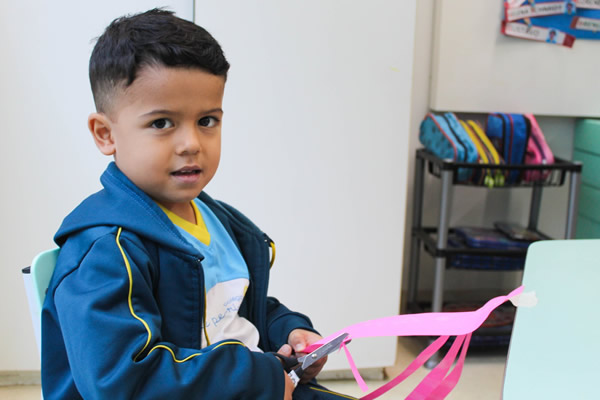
[{"x": 164, "y": 132}]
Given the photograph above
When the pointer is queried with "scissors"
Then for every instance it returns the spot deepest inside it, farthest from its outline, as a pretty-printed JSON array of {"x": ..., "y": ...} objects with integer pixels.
[{"x": 307, "y": 360}]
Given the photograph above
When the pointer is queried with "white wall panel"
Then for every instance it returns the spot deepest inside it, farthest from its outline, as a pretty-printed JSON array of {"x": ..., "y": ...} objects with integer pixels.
[{"x": 315, "y": 145}]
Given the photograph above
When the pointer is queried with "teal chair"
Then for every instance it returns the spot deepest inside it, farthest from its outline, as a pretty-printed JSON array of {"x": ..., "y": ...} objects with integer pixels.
[
  {"x": 37, "y": 277},
  {"x": 555, "y": 346}
]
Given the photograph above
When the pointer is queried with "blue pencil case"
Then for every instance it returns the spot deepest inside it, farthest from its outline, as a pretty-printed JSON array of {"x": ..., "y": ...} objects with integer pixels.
[
  {"x": 445, "y": 137},
  {"x": 509, "y": 133}
]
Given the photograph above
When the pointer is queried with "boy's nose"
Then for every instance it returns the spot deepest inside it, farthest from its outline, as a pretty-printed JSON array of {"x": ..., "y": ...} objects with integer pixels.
[{"x": 188, "y": 141}]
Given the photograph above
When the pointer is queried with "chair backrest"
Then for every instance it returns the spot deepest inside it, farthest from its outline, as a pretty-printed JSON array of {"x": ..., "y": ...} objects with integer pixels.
[
  {"x": 554, "y": 345},
  {"x": 36, "y": 283}
]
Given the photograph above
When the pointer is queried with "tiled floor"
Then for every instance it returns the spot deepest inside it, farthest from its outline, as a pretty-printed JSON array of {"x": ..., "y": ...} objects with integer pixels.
[
  {"x": 481, "y": 378},
  {"x": 20, "y": 392}
]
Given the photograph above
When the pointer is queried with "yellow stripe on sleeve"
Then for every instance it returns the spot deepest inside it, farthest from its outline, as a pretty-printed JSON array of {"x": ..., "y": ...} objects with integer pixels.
[
  {"x": 335, "y": 393},
  {"x": 128, "y": 267},
  {"x": 273, "y": 253}
]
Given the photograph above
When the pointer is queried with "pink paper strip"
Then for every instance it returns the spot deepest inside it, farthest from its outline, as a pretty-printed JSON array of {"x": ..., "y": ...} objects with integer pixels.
[
  {"x": 359, "y": 379},
  {"x": 435, "y": 377},
  {"x": 451, "y": 380},
  {"x": 415, "y": 365}
]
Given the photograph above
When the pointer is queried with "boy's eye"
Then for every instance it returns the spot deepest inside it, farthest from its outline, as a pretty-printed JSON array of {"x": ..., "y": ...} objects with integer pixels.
[
  {"x": 162, "y": 123},
  {"x": 208, "y": 122}
]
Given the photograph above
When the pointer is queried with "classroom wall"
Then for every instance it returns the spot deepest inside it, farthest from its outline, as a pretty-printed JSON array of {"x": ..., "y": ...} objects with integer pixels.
[
  {"x": 495, "y": 71},
  {"x": 47, "y": 173}
]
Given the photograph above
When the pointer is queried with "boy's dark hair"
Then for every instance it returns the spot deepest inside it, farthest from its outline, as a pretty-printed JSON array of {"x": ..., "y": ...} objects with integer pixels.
[{"x": 154, "y": 37}]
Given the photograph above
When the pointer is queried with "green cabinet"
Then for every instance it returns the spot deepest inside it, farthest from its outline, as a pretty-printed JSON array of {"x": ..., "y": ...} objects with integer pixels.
[{"x": 587, "y": 150}]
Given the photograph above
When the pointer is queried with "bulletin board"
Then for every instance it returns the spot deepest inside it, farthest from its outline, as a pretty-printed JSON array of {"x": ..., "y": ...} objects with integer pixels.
[{"x": 478, "y": 69}]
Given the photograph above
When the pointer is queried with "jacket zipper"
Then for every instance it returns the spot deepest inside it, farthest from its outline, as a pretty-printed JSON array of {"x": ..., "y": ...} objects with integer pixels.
[{"x": 203, "y": 303}]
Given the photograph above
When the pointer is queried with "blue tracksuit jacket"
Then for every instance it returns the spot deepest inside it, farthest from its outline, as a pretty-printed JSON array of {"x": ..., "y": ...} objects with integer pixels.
[{"x": 124, "y": 312}]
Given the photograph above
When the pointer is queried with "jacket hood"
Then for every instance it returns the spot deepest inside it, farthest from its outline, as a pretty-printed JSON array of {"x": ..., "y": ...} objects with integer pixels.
[{"x": 121, "y": 203}]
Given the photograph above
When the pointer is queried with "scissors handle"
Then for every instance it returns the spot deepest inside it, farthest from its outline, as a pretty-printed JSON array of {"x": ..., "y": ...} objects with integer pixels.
[
  {"x": 287, "y": 362},
  {"x": 288, "y": 365}
]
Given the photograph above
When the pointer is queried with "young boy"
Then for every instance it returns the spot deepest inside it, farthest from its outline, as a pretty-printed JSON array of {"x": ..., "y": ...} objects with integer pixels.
[{"x": 159, "y": 290}]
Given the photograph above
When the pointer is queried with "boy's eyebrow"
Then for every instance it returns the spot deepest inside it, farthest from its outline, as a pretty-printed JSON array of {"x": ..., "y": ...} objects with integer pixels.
[
  {"x": 214, "y": 110},
  {"x": 169, "y": 112}
]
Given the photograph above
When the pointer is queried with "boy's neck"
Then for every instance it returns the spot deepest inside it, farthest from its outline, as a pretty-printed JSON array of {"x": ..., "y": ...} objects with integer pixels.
[{"x": 183, "y": 210}]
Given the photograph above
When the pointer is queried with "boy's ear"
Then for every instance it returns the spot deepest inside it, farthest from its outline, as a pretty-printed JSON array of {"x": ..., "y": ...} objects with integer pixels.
[{"x": 100, "y": 127}]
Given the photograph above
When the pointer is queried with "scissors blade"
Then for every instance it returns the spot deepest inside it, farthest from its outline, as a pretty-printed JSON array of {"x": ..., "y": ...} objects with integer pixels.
[{"x": 322, "y": 351}]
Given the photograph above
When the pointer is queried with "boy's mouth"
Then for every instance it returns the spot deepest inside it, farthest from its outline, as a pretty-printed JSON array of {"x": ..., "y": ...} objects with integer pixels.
[{"x": 187, "y": 171}]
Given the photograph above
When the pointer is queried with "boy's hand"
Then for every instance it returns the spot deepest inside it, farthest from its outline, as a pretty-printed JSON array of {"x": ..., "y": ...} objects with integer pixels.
[
  {"x": 299, "y": 339},
  {"x": 286, "y": 351}
]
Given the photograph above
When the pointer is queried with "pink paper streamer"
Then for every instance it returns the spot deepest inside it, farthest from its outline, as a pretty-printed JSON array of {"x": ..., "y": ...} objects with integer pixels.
[
  {"x": 415, "y": 365},
  {"x": 359, "y": 379},
  {"x": 436, "y": 385},
  {"x": 435, "y": 377},
  {"x": 446, "y": 386}
]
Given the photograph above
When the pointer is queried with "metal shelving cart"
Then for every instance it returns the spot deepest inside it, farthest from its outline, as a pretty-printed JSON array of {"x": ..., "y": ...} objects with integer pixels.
[{"x": 435, "y": 238}]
